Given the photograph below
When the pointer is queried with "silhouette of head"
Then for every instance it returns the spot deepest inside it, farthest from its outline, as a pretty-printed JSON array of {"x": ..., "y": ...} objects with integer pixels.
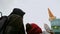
[{"x": 18, "y": 11}]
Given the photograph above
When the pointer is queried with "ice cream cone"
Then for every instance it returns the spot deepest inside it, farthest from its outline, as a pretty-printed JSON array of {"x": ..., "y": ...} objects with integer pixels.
[{"x": 51, "y": 16}]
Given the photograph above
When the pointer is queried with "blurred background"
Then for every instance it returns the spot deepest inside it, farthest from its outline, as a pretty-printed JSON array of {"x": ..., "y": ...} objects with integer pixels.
[{"x": 36, "y": 10}]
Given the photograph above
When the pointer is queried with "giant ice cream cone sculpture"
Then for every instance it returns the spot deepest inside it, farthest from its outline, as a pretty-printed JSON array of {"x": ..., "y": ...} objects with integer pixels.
[
  {"x": 51, "y": 16},
  {"x": 55, "y": 23}
]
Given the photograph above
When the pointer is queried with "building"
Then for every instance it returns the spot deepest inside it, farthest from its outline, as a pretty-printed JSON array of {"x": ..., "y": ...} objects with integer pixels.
[{"x": 55, "y": 23}]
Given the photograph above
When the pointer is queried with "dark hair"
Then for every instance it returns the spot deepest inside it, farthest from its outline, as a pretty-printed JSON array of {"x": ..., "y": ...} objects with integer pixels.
[
  {"x": 18, "y": 11},
  {"x": 28, "y": 27}
]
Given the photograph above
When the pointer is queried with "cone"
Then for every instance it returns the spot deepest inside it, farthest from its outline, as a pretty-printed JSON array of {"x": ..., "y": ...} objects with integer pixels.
[{"x": 51, "y": 16}]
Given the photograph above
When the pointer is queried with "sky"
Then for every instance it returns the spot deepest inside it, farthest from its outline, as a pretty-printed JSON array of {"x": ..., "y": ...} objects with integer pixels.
[{"x": 35, "y": 10}]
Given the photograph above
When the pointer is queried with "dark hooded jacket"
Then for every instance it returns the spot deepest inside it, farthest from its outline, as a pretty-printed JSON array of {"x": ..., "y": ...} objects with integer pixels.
[{"x": 15, "y": 23}]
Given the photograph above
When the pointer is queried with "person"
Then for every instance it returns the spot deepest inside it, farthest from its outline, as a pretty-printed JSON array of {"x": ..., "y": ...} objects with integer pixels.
[
  {"x": 33, "y": 29},
  {"x": 15, "y": 23}
]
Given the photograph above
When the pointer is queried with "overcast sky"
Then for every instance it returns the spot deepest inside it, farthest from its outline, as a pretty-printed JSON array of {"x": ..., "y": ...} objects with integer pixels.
[{"x": 36, "y": 10}]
